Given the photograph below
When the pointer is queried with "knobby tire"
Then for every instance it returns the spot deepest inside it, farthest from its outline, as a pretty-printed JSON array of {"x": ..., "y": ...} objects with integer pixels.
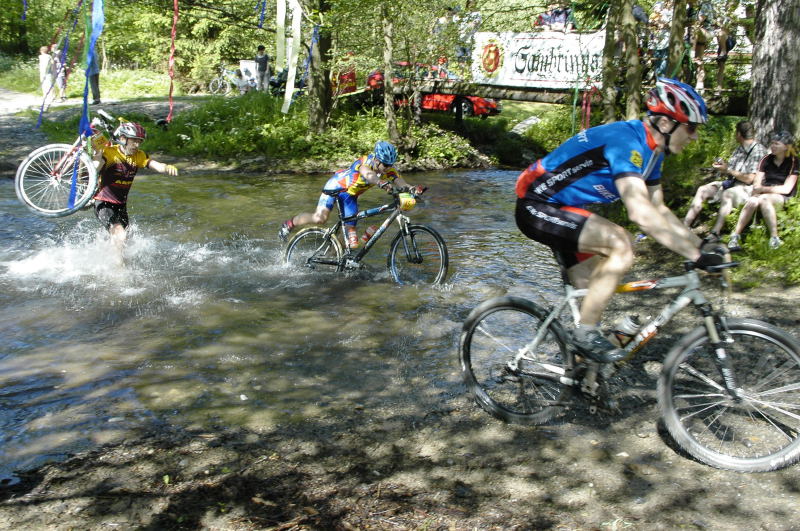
[
  {"x": 313, "y": 243},
  {"x": 423, "y": 243},
  {"x": 761, "y": 432},
  {"x": 491, "y": 336},
  {"x": 44, "y": 180}
]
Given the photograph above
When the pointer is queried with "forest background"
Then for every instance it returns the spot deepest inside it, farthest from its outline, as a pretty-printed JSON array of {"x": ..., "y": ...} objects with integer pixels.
[{"x": 321, "y": 132}]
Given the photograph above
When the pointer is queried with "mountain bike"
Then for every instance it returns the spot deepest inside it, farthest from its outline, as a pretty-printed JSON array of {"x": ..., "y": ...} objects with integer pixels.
[
  {"x": 223, "y": 83},
  {"x": 728, "y": 391},
  {"x": 417, "y": 254},
  {"x": 59, "y": 179}
]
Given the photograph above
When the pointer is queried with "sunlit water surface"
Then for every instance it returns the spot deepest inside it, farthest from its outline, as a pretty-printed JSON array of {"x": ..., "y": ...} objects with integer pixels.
[{"x": 205, "y": 327}]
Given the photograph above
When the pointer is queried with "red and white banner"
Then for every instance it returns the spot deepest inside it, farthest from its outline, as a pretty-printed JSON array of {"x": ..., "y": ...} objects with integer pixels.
[{"x": 544, "y": 59}]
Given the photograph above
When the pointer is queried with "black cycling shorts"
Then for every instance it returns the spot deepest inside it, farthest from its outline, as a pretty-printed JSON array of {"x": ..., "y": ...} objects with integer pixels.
[
  {"x": 111, "y": 214},
  {"x": 555, "y": 225}
]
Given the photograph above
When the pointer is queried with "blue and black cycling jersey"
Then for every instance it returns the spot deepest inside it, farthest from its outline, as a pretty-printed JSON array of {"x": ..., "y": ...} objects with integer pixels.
[{"x": 583, "y": 170}]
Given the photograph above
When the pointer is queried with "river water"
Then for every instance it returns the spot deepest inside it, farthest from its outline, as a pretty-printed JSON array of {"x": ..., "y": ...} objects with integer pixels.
[{"x": 205, "y": 327}]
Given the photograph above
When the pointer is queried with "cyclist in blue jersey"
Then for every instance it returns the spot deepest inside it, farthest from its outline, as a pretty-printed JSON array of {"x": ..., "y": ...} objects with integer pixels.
[
  {"x": 363, "y": 174},
  {"x": 620, "y": 160}
]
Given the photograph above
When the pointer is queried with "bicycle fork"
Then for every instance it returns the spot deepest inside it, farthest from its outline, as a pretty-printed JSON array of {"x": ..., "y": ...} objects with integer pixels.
[{"x": 714, "y": 325}]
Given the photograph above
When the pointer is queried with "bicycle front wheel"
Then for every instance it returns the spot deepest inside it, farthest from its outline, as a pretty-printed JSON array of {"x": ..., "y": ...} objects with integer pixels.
[
  {"x": 311, "y": 248},
  {"x": 492, "y": 336},
  {"x": 757, "y": 432},
  {"x": 420, "y": 258},
  {"x": 44, "y": 180}
]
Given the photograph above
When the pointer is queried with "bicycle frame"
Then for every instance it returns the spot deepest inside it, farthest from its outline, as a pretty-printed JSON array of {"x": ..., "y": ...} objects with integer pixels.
[{"x": 690, "y": 294}]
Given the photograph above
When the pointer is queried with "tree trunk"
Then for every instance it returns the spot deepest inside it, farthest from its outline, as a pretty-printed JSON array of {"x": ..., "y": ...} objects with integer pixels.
[
  {"x": 388, "y": 74},
  {"x": 610, "y": 72},
  {"x": 677, "y": 46},
  {"x": 319, "y": 87},
  {"x": 633, "y": 74},
  {"x": 775, "y": 90}
]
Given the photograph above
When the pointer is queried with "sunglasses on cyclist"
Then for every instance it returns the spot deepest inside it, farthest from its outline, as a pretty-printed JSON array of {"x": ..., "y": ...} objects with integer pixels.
[{"x": 692, "y": 127}]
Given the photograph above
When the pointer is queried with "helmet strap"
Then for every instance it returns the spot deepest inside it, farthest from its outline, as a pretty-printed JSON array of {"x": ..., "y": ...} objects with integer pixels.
[{"x": 668, "y": 135}]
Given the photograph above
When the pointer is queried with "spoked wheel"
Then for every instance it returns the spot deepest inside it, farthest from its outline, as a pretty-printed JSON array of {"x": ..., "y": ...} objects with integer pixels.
[
  {"x": 491, "y": 337},
  {"x": 312, "y": 249},
  {"x": 420, "y": 258},
  {"x": 759, "y": 431},
  {"x": 47, "y": 181}
]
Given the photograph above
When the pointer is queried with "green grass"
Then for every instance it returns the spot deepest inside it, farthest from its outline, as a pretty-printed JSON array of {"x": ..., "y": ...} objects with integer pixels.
[{"x": 122, "y": 84}]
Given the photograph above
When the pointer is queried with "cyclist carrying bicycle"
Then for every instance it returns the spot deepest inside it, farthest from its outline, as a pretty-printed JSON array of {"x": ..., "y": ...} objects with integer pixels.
[
  {"x": 363, "y": 174},
  {"x": 119, "y": 164},
  {"x": 620, "y": 160}
]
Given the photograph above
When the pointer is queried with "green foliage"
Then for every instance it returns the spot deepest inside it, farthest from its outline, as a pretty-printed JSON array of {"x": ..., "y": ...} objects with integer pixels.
[{"x": 760, "y": 263}]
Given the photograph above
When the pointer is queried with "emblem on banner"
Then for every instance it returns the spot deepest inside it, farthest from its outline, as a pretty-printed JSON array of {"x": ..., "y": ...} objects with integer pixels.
[{"x": 492, "y": 58}]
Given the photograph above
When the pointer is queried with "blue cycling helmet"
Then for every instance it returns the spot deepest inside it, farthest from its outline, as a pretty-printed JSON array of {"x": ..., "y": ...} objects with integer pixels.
[{"x": 385, "y": 152}]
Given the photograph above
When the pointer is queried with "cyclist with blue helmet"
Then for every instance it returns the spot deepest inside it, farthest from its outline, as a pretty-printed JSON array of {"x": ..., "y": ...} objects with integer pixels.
[
  {"x": 363, "y": 174},
  {"x": 620, "y": 160}
]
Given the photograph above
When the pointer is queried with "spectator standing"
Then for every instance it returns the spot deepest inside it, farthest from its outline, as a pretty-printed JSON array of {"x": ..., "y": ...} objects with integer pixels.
[
  {"x": 60, "y": 68},
  {"x": 739, "y": 170},
  {"x": 46, "y": 74},
  {"x": 93, "y": 71},
  {"x": 262, "y": 68},
  {"x": 661, "y": 21},
  {"x": 774, "y": 184}
]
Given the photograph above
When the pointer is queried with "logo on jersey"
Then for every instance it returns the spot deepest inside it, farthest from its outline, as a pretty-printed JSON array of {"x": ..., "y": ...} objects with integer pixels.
[{"x": 636, "y": 158}]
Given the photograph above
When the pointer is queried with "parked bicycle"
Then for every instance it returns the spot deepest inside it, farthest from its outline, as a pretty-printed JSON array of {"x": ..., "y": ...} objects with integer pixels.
[
  {"x": 227, "y": 80},
  {"x": 59, "y": 179},
  {"x": 728, "y": 392},
  {"x": 417, "y": 254}
]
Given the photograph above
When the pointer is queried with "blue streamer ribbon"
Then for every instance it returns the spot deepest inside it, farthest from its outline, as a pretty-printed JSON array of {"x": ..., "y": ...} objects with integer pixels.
[
  {"x": 24, "y": 8},
  {"x": 85, "y": 128}
]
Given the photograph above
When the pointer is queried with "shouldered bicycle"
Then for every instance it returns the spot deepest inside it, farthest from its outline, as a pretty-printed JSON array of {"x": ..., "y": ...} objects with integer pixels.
[
  {"x": 417, "y": 254},
  {"x": 59, "y": 179},
  {"x": 728, "y": 391}
]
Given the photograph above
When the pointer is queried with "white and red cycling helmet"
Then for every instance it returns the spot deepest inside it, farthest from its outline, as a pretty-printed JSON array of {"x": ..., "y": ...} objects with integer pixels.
[
  {"x": 678, "y": 101},
  {"x": 130, "y": 130}
]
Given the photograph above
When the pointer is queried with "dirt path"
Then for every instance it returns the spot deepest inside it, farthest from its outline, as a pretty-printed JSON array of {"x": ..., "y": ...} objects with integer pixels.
[{"x": 450, "y": 467}]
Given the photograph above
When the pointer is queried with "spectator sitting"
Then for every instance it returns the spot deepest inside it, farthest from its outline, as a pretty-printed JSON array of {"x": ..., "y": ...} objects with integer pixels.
[
  {"x": 556, "y": 18},
  {"x": 241, "y": 83},
  {"x": 740, "y": 170},
  {"x": 775, "y": 182}
]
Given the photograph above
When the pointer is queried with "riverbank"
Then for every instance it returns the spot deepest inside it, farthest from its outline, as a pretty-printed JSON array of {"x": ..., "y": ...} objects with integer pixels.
[{"x": 420, "y": 455}]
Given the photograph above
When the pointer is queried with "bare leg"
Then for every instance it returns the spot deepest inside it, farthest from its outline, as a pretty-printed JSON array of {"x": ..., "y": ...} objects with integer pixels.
[
  {"x": 746, "y": 214},
  {"x": 725, "y": 208},
  {"x": 768, "y": 205},
  {"x": 700, "y": 73},
  {"x": 118, "y": 236},
  {"x": 704, "y": 193},
  {"x": 319, "y": 217},
  {"x": 612, "y": 245}
]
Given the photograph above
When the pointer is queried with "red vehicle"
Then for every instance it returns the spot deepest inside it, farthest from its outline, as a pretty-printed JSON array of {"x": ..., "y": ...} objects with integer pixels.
[{"x": 435, "y": 101}]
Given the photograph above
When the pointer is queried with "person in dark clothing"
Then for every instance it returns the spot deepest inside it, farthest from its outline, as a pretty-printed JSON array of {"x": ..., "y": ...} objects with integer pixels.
[{"x": 262, "y": 68}]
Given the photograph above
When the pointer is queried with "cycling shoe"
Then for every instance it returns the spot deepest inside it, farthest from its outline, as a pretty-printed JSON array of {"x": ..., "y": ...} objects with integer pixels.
[{"x": 591, "y": 344}]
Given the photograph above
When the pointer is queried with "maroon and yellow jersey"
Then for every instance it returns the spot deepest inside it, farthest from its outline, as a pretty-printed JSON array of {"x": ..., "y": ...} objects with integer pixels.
[{"x": 117, "y": 173}]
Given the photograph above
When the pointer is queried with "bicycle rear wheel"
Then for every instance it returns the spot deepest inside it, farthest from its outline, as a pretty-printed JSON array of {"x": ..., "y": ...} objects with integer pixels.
[
  {"x": 758, "y": 433},
  {"x": 420, "y": 258},
  {"x": 491, "y": 337},
  {"x": 44, "y": 180},
  {"x": 312, "y": 249}
]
